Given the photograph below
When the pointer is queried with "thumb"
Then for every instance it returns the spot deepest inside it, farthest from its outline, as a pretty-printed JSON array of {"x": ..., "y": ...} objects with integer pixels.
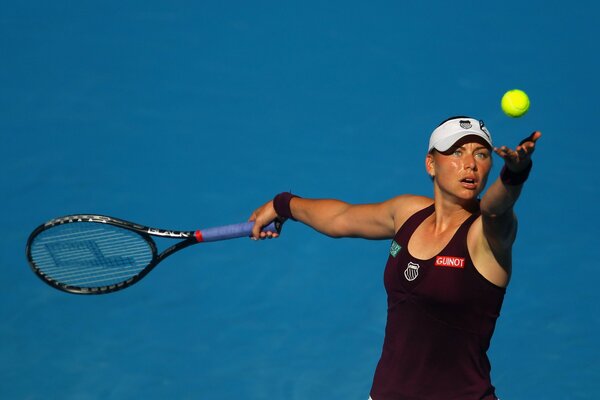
[{"x": 256, "y": 228}]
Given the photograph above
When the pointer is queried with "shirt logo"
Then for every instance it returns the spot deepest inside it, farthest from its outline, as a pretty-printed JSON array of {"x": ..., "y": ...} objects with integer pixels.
[
  {"x": 411, "y": 272},
  {"x": 395, "y": 249},
  {"x": 449, "y": 261}
]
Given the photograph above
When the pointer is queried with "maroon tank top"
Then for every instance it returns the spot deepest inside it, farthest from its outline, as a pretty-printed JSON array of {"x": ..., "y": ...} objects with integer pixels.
[{"x": 441, "y": 317}]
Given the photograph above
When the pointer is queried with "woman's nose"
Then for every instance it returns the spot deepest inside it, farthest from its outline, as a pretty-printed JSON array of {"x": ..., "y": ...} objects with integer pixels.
[{"x": 470, "y": 161}]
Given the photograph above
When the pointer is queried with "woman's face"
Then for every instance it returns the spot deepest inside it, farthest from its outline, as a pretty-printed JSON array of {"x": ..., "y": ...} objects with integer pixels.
[{"x": 461, "y": 171}]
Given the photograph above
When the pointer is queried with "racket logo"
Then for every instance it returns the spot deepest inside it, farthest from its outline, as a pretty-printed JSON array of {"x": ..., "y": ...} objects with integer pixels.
[
  {"x": 165, "y": 233},
  {"x": 88, "y": 254},
  {"x": 411, "y": 272}
]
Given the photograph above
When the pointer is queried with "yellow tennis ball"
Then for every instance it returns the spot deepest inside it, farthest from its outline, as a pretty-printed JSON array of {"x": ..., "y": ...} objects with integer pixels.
[{"x": 515, "y": 103}]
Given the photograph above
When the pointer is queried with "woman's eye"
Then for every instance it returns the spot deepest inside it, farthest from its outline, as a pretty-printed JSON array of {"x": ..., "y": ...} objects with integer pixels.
[
  {"x": 457, "y": 153},
  {"x": 482, "y": 155}
]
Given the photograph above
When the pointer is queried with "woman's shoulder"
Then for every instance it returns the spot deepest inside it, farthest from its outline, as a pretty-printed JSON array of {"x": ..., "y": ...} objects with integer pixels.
[
  {"x": 406, "y": 205},
  {"x": 411, "y": 202}
]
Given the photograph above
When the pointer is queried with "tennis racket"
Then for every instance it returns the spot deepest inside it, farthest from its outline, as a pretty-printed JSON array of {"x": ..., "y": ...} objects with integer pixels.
[{"x": 96, "y": 254}]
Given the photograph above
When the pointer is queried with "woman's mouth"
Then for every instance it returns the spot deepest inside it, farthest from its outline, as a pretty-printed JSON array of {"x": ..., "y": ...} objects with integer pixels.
[{"x": 469, "y": 183}]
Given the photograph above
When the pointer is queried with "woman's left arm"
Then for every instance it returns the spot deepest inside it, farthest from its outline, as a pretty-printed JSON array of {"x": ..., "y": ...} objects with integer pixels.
[{"x": 499, "y": 221}]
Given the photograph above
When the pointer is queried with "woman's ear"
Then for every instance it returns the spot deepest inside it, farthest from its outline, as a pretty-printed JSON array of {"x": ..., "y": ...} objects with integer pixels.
[{"x": 430, "y": 165}]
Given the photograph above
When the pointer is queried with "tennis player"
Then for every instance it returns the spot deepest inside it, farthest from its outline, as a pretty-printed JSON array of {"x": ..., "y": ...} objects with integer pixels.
[{"x": 449, "y": 261}]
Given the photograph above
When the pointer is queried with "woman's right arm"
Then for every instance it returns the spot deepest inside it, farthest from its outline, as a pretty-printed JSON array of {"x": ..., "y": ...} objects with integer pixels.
[{"x": 336, "y": 218}]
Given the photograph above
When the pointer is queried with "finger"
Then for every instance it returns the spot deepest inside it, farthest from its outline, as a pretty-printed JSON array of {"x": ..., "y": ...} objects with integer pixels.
[
  {"x": 256, "y": 230},
  {"x": 501, "y": 151},
  {"x": 531, "y": 138},
  {"x": 522, "y": 151},
  {"x": 509, "y": 156},
  {"x": 268, "y": 235},
  {"x": 527, "y": 149},
  {"x": 504, "y": 149},
  {"x": 251, "y": 219},
  {"x": 527, "y": 139},
  {"x": 507, "y": 153}
]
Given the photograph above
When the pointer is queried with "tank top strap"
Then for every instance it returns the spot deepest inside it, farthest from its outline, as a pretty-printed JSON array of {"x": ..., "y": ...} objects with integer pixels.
[
  {"x": 411, "y": 224},
  {"x": 459, "y": 240}
]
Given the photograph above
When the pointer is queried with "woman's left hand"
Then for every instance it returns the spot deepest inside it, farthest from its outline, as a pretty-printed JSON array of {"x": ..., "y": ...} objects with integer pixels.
[{"x": 519, "y": 159}]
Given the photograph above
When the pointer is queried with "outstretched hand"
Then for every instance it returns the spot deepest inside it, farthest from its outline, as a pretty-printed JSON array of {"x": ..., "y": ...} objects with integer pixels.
[{"x": 518, "y": 159}]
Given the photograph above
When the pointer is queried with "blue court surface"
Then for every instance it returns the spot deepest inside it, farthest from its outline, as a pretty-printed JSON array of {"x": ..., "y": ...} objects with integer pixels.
[{"x": 185, "y": 115}]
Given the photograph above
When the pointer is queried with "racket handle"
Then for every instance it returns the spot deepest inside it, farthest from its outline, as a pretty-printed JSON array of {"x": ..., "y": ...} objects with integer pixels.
[{"x": 233, "y": 231}]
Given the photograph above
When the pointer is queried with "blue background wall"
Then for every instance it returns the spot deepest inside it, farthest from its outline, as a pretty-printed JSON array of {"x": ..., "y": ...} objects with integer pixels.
[{"x": 190, "y": 114}]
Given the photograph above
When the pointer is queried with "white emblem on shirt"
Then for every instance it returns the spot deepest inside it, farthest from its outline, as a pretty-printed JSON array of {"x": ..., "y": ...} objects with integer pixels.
[{"x": 411, "y": 272}]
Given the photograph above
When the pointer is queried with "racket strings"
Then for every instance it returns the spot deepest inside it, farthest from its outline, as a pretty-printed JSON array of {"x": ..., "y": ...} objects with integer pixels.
[{"x": 90, "y": 255}]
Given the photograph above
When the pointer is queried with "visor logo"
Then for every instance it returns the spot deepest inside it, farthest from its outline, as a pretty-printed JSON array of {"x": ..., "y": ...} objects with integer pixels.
[
  {"x": 484, "y": 129},
  {"x": 465, "y": 124},
  {"x": 411, "y": 272}
]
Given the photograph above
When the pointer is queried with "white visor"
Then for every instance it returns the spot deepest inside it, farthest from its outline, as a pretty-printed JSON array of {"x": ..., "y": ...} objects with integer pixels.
[{"x": 451, "y": 131}]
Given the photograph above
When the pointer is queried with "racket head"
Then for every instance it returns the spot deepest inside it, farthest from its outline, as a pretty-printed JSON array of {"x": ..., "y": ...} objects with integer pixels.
[{"x": 90, "y": 254}]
